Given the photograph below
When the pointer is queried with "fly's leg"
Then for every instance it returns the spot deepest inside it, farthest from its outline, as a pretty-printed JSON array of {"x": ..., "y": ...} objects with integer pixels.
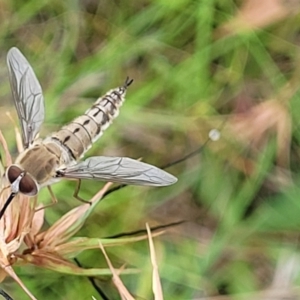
[
  {"x": 76, "y": 192},
  {"x": 53, "y": 199}
]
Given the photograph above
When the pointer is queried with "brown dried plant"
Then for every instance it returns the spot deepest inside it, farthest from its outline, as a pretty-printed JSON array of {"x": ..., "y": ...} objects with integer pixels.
[
  {"x": 257, "y": 14},
  {"x": 22, "y": 240}
]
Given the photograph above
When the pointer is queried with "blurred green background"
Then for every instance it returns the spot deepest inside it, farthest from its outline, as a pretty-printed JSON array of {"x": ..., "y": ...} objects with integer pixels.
[{"x": 196, "y": 65}]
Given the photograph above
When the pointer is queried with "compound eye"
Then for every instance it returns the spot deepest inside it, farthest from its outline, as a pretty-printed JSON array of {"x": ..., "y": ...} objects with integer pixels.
[
  {"x": 25, "y": 183},
  {"x": 28, "y": 186},
  {"x": 12, "y": 173}
]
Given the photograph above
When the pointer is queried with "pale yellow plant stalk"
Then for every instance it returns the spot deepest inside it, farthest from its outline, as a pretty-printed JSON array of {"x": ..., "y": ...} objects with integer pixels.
[{"x": 156, "y": 284}]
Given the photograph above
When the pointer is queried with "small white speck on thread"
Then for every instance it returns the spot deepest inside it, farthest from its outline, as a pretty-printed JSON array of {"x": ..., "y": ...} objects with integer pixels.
[{"x": 214, "y": 135}]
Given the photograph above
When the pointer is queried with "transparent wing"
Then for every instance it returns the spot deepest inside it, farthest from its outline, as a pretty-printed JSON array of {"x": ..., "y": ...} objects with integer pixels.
[
  {"x": 118, "y": 169},
  {"x": 27, "y": 95}
]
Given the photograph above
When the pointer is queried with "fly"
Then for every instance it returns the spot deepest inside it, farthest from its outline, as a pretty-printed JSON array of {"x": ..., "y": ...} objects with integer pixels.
[{"x": 46, "y": 161}]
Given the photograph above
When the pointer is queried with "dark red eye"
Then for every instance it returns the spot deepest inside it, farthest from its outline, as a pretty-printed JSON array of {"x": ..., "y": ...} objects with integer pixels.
[
  {"x": 27, "y": 185},
  {"x": 12, "y": 173}
]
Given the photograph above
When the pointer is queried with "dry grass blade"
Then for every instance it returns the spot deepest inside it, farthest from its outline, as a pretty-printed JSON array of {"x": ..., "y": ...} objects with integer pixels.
[
  {"x": 5, "y": 148},
  {"x": 17, "y": 133},
  {"x": 125, "y": 295},
  {"x": 157, "y": 289},
  {"x": 12, "y": 273}
]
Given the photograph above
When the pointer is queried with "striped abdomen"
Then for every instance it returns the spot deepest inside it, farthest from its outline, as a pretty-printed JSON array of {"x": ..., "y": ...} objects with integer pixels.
[{"x": 77, "y": 136}]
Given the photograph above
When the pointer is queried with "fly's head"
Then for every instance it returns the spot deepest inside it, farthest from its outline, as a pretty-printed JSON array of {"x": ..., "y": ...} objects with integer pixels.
[
  {"x": 21, "y": 181},
  {"x": 40, "y": 162}
]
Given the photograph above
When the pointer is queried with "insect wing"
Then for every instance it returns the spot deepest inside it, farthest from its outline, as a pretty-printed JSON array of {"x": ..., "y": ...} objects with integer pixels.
[
  {"x": 27, "y": 95},
  {"x": 118, "y": 169}
]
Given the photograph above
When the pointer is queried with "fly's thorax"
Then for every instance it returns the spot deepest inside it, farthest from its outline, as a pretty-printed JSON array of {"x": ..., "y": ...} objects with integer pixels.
[
  {"x": 77, "y": 136},
  {"x": 39, "y": 162}
]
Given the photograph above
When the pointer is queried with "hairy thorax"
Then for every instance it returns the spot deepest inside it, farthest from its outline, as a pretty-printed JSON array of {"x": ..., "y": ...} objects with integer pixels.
[{"x": 41, "y": 160}]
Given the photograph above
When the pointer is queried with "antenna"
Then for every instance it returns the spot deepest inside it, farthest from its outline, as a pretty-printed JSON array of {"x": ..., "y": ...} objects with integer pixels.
[{"x": 6, "y": 204}]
